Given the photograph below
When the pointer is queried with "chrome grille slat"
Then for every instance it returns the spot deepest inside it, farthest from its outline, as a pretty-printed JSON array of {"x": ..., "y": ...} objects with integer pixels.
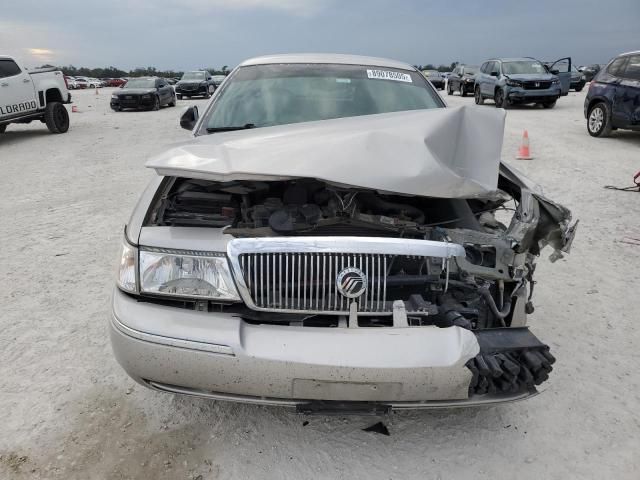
[{"x": 306, "y": 282}]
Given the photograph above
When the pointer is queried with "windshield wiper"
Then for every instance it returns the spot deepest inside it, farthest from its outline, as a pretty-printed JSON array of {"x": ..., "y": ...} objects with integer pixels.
[{"x": 231, "y": 129}]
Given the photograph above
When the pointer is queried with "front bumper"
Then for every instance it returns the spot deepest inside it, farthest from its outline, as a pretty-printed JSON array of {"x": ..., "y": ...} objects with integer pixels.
[
  {"x": 191, "y": 90},
  {"x": 136, "y": 101},
  {"x": 219, "y": 355},
  {"x": 521, "y": 95}
]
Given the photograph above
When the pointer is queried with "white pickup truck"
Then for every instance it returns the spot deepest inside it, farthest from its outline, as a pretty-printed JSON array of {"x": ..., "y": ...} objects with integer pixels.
[{"x": 32, "y": 95}]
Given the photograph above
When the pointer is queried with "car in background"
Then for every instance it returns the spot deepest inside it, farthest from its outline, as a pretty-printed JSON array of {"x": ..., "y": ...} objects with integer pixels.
[
  {"x": 578, "y": 80},
  {"x": 94, "y": 83},
  {"x": 590, "y": 71},
  {"x": 116, "y": 82},
  {"x": 510, "y": 81},
  {"x": 435, "y": 77},
  {"x": 462, "y": 79},
  {"x": 613, "y": 99},
  {"x": 71, "y": 82},
  {"x": 82, "y": 82},
  {"x": 143, "y": 93},
  {"x": 198, "y": 83},
  {"x": 171, "y": 81},
  {"x": 218, "y": 79}
]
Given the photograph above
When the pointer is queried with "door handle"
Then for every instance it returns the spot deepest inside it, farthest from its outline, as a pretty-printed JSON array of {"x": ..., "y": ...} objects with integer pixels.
[
  {"x": 4, "y": 84},
  {"x": 25, "y": 80}
]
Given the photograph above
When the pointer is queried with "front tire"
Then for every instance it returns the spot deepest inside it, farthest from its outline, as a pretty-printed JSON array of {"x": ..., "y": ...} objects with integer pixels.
[
  {"x": 478, "y": 96},
  {"x": 463, "y": 91},
  {"x": 56, "y": 117},
  {"x": 179, "y": 96},
  {"x": 3, "y": 128},
  {"x": 579, "y": 89},
  {"x": 156, "y": 104},
  {"x": 599, "y": 120},
  {"x": 549, "y": 104},
  {"x": 449, "y": 88},
  {"x": 499, "y": 99},
  {"x": 172, "y": 103}
]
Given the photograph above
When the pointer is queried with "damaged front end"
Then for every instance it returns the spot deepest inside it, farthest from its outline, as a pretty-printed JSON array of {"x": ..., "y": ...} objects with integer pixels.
[{"x": 320, "y": 251}]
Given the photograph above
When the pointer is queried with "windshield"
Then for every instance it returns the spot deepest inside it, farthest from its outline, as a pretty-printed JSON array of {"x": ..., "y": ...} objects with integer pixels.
[
  {"x": 141, "y": 83},
  {"x": 193, "y": 76},
  {"x": 268, "y": 95},
  {"x": 470, "y": 70},
  {"x": 524, "y": 67}
]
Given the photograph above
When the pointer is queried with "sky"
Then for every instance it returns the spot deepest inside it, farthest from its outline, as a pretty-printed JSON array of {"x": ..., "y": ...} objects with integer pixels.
[{"x": 189, "y": 34}]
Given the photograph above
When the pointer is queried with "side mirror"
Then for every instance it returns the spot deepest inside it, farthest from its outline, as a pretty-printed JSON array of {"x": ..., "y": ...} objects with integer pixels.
[
  {"x": 494, "y": 74},
  {"x": 189, "y": 118}
]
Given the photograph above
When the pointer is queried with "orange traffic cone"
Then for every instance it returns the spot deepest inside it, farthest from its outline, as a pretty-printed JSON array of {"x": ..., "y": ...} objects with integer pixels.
[
  {"x": 523, "y": 151},
  {"x": 74, "y": 109}
]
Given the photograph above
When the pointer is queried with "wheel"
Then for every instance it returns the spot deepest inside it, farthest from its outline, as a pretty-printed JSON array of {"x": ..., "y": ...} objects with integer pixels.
[
  {"x": 156, "y": 104},
  {"x": 172, "y": 103},
  {"x": 579, "y": 89},
  {"x": 599, "y": 121},
  {"x": 209, "y": 92},
  {"x": 3, "y": 128},
  {"x": 449, "y": 89},
  {"x": 179, "y": 96},
  {"x": 478, "y": 96},
  {"x": 499, "y": 99},
  {"x": 549, "y": 104},
  {"x": 463, "y": 92},
  {"x": 56, "y": 117}
]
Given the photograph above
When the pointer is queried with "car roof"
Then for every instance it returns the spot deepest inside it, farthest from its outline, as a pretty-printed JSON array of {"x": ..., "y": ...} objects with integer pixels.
[
  {"x": 513, "y": 59},
  {"x": 629, "y": 53},
  {"x": 327, "y": 58}
]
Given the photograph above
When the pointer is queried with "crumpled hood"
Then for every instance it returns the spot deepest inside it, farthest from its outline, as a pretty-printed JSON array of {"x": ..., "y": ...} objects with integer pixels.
[{"x": 443, "y": 152}]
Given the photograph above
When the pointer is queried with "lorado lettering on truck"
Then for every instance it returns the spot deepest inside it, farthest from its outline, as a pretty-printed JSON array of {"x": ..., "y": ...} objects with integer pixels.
[{"x": 18, "y": 107}]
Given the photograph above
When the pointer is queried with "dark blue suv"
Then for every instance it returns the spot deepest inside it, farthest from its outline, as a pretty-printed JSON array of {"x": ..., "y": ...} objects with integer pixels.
[{"x": 613, "y": 100}]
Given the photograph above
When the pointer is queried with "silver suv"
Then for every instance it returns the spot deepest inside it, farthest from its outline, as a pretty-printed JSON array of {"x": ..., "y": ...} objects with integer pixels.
[
  {"x": 510, "y": 81},
  {"x": 327, "y": 240}
]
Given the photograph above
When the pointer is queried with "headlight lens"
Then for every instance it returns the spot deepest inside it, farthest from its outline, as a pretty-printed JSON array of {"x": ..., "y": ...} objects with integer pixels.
[
  {"x": 188, "y": 274},
  {"x": 115, "y": 97},
  {"x": 514, "y": 83},
  {"x": 555, "y": 81},
  {"x": 127, "y": 268},
  {"x": 146, "y": 95}
]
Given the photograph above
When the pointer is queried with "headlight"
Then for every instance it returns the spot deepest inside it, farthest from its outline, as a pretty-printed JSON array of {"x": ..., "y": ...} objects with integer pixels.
[
  {"x": 514, "y": 83},
  {"x": 146, "y": 95},
  {"x": 583, "y": 77},
  {"x": 127, "y": 268},
  {"x": 555, "y": 81},
  {"x": 186, "y": 273},
  {"x": 115, "y": 97}
]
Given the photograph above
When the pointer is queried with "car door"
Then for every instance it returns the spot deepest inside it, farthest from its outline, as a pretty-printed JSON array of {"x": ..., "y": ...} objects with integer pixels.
[
  {"x": 163, "y": 91},
  {"x": 562, "y": 69},
  {"x": 490, "y": 79},
  {"x": 17, "y": 96},
  {"x": 626, "y": 103}
]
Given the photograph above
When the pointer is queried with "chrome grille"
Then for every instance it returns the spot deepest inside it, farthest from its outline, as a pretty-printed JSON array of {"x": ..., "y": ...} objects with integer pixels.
[
  {"x": 298, "y": 274},
  {"x": 304, "y": 281},
  {"x": 536, "y": 85}
]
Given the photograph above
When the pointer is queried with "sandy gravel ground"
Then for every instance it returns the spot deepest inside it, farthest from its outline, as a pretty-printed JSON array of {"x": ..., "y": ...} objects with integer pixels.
[{"x": 68, "y": 411}]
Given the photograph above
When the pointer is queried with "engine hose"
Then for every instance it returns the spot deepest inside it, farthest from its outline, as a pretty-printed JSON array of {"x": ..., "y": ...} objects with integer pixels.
[{"x": 500, "y": 314}]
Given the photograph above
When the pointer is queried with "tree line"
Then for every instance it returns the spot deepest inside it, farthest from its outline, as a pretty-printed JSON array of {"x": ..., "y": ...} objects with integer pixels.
[
  {"x": 440, "y": 68},
  {"x": 114, "y": 72}
]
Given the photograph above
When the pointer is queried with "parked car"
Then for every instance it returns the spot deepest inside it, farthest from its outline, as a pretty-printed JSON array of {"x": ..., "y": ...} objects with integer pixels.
[
  {"x": 116, "y": 82},
  {"x": 218, "y": 79},
  {"x": 195, "y": 84},
  {"x": 32, "y": 95},
  {"x": 435, "y": 77},
  {"x": 336, "y": 249},
  {"x": 590, "y": 71},
  {"x": 71, "y": 82},
  {"x": 144, "y": 93},
  {"x": 82, "y": 82},
  {"x": 613, "y": 99},
  {"x": 462, "y": 80},
  {"x": 510, "y": 81},
  {"x": 171, "y": 81},
  {"x": 578, "y": 80}
]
